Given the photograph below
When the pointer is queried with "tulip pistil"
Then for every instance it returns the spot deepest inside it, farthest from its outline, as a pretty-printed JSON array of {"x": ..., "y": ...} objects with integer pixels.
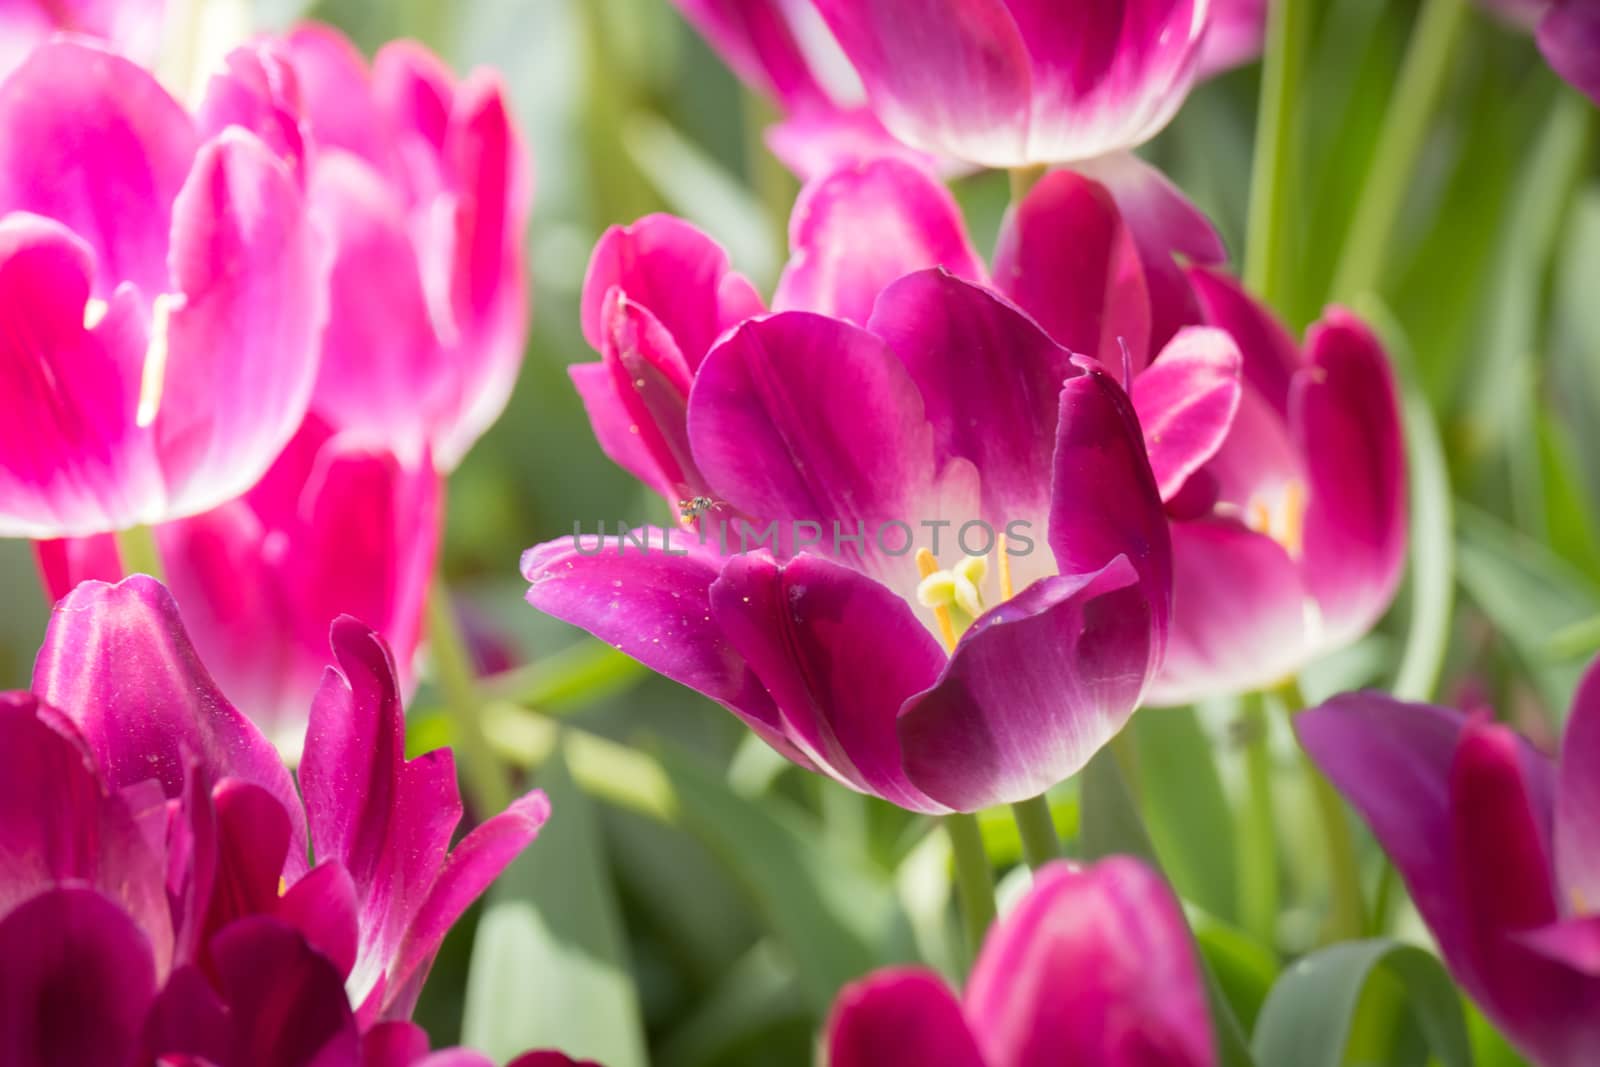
[{"x": 153, "y": 377}]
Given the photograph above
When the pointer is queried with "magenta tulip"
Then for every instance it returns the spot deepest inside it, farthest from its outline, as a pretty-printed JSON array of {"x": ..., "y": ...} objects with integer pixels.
[
  {"x": 1093, "y": 968},
  {"x": 423, "y": 184},
  {"x": 160, "y": 290},
  {"x": 1499, "y": 845},
  {"x": 156, "y": 872},
  {"x": 1237, "y": 32},
  {"x": 336, "y": 527},
  {"x": 130, "y": 27},
  {"x": 1009, "y": 83},
  {"x": 936, "y": 674}
]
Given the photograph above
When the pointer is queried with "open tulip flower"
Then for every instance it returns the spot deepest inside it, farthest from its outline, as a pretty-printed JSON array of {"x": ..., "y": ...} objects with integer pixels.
[
  {"x": 160, "y": 294},
  {"x": 1093, "y": 967},
  {"x": 1499, "y": 845},
  {"x": 940, "y": 673},
  {"x": 1281, "y": 465},
  {"x": 165, "y": 881},
  {"x": 336, "y": 527},
  {"x": 423, "y": 185}
]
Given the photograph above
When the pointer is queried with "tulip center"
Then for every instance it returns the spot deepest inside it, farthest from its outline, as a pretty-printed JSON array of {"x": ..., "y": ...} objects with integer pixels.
[
  {"x": 1280, "y": 514},
  {"x": 956, "y": 593}
]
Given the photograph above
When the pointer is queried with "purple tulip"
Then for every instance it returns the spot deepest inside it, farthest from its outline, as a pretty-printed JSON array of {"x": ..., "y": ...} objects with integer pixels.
[
  {"x": 423, "y": 184},
  {"x": 160, "y": 288},
  {"x": 1499, "y": 845},
  {"x": 936, "y": 675},
  {"x": 337, "y": 526},
  {"x": 155, "y": 853},
  {"x": 1281, "y": 465},
  {"x": 130, "y": 27},
  {"x": 1094, "y": 967}
]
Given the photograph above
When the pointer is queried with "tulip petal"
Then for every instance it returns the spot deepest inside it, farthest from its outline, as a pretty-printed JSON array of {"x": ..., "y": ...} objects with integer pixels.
[
  {"x": 947, "y": 76},
  {"x": 861, "y": 228},
  {"x": 384, "y": 371},
  {"x": 755, "y": 38},
  {"x": 840, "y": 654},
  {"x": 188, "y": 1025},
  {"x": 899, "y": 1017},
  {"x": 1066, "y": 257},
  {"x": 1501, "y": 835},
  {"x": 1238, "y": 613},
  {"x": 1271, "y": 358},
  {"x": 1106, "y": 76},
  {"x": 324, "y": 908},
  {"x": 76, "y": 978},
  {"x": 72, "y": 460},
  {"x": 620, "y": 437},
  {"x": 1186, "y": 402},
  {"x": 336, "y": 89},
  {"x": 814, "y": 144},
  {"x": 241, "y": 351},
  {"x": 387, "y": 820},
  {"x": 258, "y": 91},
  {"x": 1574, "y": 943},
  {"x": 1164, "y": 223},
  {"x": 655, "y": 606},
  {"x": 253, "y": 841},
  {"x": 991, "y": 383},
  {"x": 394, "y": 1044},
  {"x": 467, "y": 874},
  {"x": 58, "y": 825},
  {"x": 65, "y": 562},
  {"x": 1569, "y": 37},
  {"x": 1034, "y": 689},
  {"x": 1094, "y": 966},
  {"x": 117, "y": 662},
  {"x": 1345, "y": 414},
  {"x": 286, "y": 1001},
  {"x": 676, "y": 272},
  {"x": 1391, "y": 760},
  {"x": 1577, "y": 825},
  {"x": 1105, "y": 503},
  {"x": 800, "y": 418},
  {"x": 486, "y": 218},
  {"x": 1235, "y": 37},
  {"x": 90, "y": 139}
]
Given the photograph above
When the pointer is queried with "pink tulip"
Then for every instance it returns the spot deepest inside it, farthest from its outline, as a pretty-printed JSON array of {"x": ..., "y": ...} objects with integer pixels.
[
  {"x": 423, "y": 184},
  {"x": 891, "y": 386},
  {"x": 156, "y": 900},
  {"x": 1093, "y": 968},
  {"x": 1499, "y": 846},
  {"x": 130, "y": 27},
  {"x": 160, "y": 292},
  {"x": 336, "y": 527}
]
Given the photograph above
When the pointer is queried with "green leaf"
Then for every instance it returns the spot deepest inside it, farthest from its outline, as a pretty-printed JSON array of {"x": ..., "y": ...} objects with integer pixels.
[
  {"x": 1311, "y": 1013},
  {"x": 1186, "y": 809},
  {"x": 834, "y": 914},
  {"x": 549, "y": 966},
  {"x": 1529, "y": 594},
  {"x": 1111, "y": 826}
]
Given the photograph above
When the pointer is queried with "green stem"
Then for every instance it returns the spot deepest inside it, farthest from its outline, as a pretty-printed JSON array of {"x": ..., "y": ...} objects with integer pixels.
[
  {"x": 480, "y": 770},
  {"x": 1023, "y": 179},
  {"x": 1348, "y": 919},
  {"x": 137, "y": 547},
  {"x": 1435, "y": 40},
  {"x": 974, "y": 878},
  {"x": 1258, "y": 852},
  {"x": 1272, "y": 178},
  {"x": 1039, "y": 842}
]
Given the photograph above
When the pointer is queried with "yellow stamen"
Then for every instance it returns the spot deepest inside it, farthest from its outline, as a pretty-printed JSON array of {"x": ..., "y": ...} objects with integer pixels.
[
  {"x": 1005, "y": 569},
  {"x": 928, "y": 567},
  {"x": 1294, "y": 517}
]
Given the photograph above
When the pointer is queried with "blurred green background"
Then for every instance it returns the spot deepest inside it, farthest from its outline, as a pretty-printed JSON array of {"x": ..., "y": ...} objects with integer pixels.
[{"x": 695, "y": 903}]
